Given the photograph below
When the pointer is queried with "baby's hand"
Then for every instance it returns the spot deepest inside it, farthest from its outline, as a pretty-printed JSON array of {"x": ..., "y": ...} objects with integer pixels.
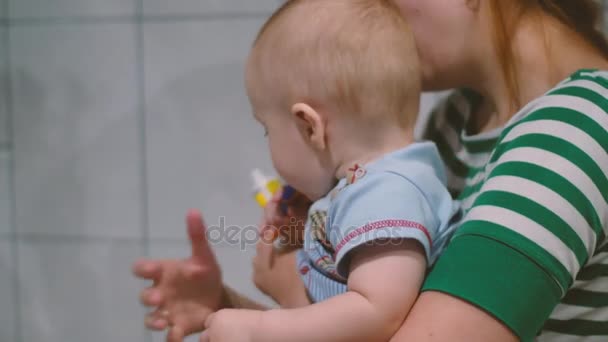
[
  {"x": 286, "y": 218},
  {"x": 232, "y": 325}
]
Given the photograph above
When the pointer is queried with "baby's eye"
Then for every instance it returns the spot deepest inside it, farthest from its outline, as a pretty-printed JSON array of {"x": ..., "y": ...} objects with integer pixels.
[{"x": 265, "y": 132}]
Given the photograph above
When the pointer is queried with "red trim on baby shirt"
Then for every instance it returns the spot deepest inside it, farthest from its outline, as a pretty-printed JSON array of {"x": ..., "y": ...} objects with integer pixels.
[{"x": 406, "y": 224}]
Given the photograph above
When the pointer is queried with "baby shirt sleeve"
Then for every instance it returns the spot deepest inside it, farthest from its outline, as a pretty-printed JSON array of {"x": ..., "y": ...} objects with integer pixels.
[{"x": 377, "y": 209}]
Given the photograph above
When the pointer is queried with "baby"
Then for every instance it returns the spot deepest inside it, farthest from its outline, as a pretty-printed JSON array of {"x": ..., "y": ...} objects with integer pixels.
[{"x": 336, "y": 85}]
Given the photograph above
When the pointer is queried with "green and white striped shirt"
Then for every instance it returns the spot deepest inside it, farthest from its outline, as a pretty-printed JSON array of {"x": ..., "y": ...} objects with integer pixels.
[{"x": 532, "y": 246}]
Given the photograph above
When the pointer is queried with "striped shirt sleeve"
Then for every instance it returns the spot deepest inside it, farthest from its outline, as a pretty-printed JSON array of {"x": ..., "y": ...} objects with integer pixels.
[{"x": 539, "y": 215}]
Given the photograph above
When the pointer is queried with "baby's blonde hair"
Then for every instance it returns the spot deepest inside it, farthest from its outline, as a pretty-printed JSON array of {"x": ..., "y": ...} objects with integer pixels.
[{"x": 352, "y": 56}]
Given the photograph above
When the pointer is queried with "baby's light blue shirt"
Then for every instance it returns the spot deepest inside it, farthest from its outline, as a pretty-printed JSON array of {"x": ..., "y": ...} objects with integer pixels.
[{"x": 402, "y": 195}]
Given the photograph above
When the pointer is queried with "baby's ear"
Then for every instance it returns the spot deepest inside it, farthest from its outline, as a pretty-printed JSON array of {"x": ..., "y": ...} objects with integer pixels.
[{"x": 310, "y": 124}]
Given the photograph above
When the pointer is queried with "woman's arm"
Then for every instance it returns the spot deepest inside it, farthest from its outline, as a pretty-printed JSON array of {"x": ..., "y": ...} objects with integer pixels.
[{"x": 438, "y": 317}]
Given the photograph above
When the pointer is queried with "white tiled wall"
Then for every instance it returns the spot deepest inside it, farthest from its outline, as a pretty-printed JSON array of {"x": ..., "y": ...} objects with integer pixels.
[
  {"x": 7, "y": 248},
  {"x": 94, "y": 86},
  {"x": 3, "y": 8},
  {"x": 5, "y": 203},
  {"x": 202, "y": 139},
  {"x": 3, "y": 84},
  {"x": 7, "y": 292},
  {"x": 79, "y": 291},
  {"x": 65, "y": 8},
  {"x": 198, "y": 7},
  {"x": 76, "y": 131},
  {"x": 5, "y": 195}
]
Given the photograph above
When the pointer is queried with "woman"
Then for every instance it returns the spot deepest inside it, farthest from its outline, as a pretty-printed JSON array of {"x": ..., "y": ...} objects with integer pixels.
[{"x": 527, "y": 149}]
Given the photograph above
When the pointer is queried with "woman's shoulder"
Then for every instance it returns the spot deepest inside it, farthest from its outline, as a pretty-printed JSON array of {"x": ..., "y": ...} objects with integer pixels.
[
  {"x": 574, "y": 114},
  {"x": 583, "y": 94}
]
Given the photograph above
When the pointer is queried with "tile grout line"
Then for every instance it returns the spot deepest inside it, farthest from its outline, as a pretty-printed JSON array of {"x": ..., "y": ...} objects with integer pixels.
[
  {"x": 67, "y": 238},
  {"x": 143, "y": 148},
  {"x": 12, "y": 179},
  {"x": 142, "y": 123}
]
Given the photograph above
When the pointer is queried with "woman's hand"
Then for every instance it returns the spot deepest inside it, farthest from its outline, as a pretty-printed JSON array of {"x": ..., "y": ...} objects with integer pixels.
[{"x": 185, "y": 291}]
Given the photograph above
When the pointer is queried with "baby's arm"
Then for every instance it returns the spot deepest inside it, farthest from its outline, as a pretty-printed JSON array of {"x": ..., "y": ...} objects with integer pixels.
[{"x": 382, "y": 287}]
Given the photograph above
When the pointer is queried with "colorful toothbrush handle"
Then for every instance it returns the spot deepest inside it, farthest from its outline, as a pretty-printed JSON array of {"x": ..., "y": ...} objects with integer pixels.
[{"x": 286, "y": 197}]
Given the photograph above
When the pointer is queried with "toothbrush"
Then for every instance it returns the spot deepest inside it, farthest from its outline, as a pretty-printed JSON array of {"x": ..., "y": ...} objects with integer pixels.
[{"x": 265, "y": 187}]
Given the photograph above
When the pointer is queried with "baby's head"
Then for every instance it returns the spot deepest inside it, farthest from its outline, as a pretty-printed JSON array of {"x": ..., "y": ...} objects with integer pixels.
[{"x": 333, "y": 82}]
